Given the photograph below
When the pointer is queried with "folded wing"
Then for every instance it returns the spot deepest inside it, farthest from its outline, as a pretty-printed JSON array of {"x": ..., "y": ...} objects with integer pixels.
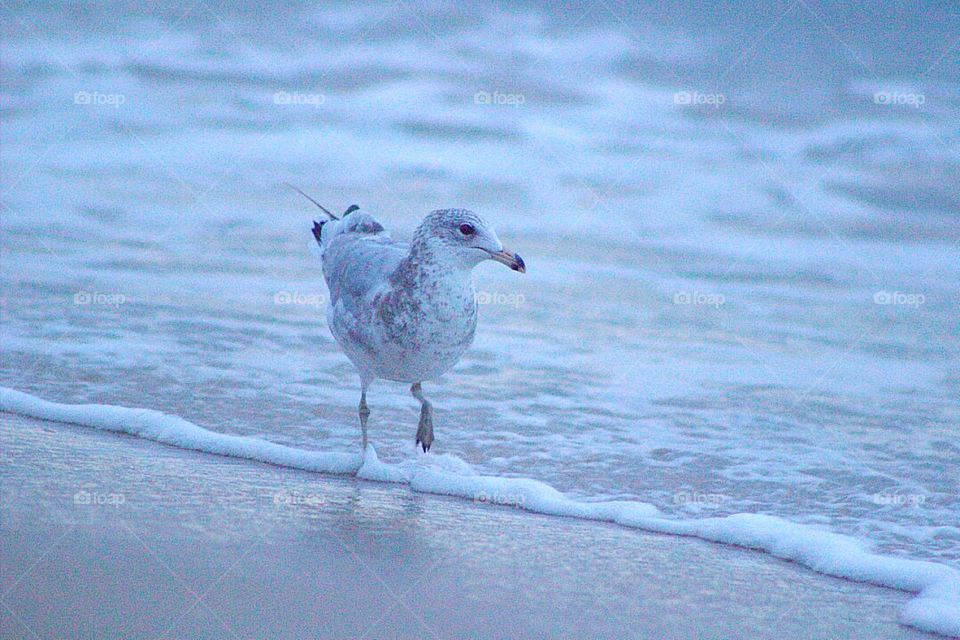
[{"x": 358, "y": 258}]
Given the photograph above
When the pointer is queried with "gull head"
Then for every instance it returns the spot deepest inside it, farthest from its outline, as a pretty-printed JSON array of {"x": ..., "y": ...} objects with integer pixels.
[{"x": 466, "y": 237}]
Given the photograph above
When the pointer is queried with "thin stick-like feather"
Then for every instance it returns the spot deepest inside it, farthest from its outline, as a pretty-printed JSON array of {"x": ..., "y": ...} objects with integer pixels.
[{"x": 322, "y": 208}]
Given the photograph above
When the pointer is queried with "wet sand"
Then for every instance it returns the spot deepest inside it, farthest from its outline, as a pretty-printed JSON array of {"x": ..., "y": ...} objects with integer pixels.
[{"x": 111, "y": 536}]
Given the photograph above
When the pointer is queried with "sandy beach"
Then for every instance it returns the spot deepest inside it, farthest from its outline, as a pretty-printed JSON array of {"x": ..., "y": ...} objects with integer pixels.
[{"x": 110, "y": 536}]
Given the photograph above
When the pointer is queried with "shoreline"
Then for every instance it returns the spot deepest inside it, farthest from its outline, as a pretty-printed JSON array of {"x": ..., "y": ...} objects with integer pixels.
[{"x": 197, "y": 514}]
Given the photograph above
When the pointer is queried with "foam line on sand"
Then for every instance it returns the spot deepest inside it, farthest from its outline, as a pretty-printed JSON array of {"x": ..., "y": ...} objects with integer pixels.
[{"x": 935, "y": 606}]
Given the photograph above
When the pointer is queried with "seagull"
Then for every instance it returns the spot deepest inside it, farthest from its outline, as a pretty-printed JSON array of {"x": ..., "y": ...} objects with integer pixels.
[{"x": 405, "y": 312}]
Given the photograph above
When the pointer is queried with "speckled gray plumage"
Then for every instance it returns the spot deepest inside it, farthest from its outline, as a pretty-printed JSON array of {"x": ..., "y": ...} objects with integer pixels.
[
  {"x": 405, "y": 312},
  {"x": 400, "y": 312}
]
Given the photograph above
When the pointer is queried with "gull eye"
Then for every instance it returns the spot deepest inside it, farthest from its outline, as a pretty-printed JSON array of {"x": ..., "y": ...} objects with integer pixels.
[{"x": 467, "y": 229}]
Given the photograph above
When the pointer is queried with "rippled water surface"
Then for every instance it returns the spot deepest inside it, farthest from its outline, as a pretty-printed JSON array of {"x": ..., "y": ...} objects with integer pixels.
[{"x": 741, "y": 230}]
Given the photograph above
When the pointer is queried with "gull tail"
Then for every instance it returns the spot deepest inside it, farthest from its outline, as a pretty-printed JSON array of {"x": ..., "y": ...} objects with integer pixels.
[
  {"x": 317, "y": 228},
  {"x": 344, "y": 223},
  {"x": 318, "y": 231}
]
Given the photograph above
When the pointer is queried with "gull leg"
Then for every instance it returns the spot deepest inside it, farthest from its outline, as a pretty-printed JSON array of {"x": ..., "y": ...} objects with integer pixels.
[
  {"x": 425, "y": 428},
  {"x": 364, "y": 412}
]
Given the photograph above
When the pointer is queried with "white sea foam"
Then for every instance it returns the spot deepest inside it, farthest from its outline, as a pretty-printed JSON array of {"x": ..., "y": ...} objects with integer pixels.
[
  {"x": 175, "y": 431},
  {"x": 935, "y": 608}
]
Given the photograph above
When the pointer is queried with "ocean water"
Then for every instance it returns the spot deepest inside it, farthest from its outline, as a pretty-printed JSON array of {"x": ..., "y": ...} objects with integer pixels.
[{"x": 741, "y": 226}]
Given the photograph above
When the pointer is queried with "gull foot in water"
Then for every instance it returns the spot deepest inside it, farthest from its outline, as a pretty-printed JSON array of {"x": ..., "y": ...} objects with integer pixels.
[{"x": 425, "y": 428}]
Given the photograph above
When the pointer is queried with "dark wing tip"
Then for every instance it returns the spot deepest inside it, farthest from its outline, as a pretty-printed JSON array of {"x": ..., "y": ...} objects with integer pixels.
[
  {"x": 317, "y": 229},
  {"x": 350, "y": 210}
]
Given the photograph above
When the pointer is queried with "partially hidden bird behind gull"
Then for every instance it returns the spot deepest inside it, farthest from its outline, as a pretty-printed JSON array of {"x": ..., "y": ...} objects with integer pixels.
[{"x": 405, "y": 312}]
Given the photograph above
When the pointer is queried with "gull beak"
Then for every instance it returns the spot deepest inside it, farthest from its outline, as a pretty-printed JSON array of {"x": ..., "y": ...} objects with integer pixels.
[{"x": 509, "y": 258}]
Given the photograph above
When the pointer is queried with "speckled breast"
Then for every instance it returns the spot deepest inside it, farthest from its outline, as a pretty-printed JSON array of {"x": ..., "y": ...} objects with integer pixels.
[{"x": 426, "y": 342}]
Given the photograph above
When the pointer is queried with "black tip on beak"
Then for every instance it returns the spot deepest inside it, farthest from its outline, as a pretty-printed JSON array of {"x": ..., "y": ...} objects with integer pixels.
[{"x": 509, "y": 258}]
